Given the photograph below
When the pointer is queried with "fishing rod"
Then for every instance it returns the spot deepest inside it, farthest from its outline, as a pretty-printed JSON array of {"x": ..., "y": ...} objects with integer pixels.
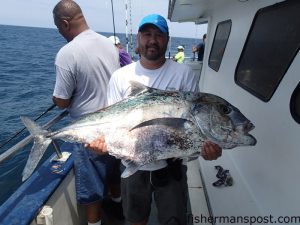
[
  {"x": 113, "y": 17},
  {"x": 20, "y": 131},
  {"x": 195, "y": 39},
  {"x": 130, "y": 23},
  {"x": 126, "y": 31},
  {"x": 170, "y": 40}
]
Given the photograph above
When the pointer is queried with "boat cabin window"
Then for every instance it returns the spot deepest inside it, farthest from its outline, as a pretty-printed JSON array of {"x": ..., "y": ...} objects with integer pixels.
[
  {"x": 295, "y": 104},
  {"x": 270, "y": 48},
  {"x": 219, "y": 44}
]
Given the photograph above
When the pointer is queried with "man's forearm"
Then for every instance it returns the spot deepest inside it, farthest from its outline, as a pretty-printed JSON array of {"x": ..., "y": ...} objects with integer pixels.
[{"x": 61, "y": 103}]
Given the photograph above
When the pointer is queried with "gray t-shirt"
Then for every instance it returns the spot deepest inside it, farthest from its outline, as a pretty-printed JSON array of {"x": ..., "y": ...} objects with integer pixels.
[
  {"x": 171, "y": 76},
  {"x": 83, "y": 69}
]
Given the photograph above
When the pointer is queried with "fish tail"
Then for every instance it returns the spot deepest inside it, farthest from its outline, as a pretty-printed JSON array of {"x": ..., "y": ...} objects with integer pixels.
[
  {"x": 40, "y": 145},
  {"x": 33, "y": 127}
]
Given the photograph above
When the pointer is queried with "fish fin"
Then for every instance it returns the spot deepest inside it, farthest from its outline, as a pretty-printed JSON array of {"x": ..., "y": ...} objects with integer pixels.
[
  {"x": 137, "y": 88},
  {"x": 193, "y": 156},
  {"x": 40, "y": 145},
  {"x": 32, "y": 127},
  {"x": 171, "y": 122},
  {"x": 131, "y": 168},
  {"x": 38, "y": 149}
]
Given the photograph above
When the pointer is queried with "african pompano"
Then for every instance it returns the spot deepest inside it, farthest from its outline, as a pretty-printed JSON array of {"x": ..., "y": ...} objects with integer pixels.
[{"x": 151, "y": 125}]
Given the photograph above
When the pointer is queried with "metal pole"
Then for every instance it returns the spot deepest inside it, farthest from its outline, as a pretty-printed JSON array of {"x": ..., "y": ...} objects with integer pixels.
[
  {"x": 113, "y": 16},
  {"x": 57, "y": 149},
  {"x": 130, "y": 22},
  {"x": 126, "y": 19},
  {"x": 170, "y": 41}
]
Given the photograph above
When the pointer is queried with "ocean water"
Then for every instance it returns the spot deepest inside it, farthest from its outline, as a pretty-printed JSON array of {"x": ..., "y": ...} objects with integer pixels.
[{"x": 27, "y": 79}]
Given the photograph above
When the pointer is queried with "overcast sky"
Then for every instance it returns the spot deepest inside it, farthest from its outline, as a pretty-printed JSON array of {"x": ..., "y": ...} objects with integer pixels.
[{"x": 38, "y": 13}]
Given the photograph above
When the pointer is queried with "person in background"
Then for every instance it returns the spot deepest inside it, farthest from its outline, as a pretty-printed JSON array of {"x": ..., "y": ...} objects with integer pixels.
[
  {"x": 200, "y": 48},
  {"x": 179, "y": 57},
  {"x": 124, "y": 56},
  {"x": 83, "y": 68},
  {"x": 166, "y": 181}
]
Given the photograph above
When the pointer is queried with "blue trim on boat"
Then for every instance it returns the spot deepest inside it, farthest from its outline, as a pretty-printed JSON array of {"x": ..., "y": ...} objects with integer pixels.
[{"x": 23, "y": 206}]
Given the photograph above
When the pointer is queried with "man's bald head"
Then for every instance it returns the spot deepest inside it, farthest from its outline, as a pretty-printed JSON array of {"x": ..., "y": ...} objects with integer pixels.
[
  {"x": 67, "y": 9},
  {"x": 69, "y": 19}
]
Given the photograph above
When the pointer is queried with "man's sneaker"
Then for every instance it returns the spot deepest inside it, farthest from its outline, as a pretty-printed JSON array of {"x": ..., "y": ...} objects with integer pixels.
[{"x": 113, "y": 209}]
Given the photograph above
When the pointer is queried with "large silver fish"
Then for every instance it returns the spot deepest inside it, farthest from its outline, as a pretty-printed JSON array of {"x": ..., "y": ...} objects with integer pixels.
[{"x": 151, "y": 125}]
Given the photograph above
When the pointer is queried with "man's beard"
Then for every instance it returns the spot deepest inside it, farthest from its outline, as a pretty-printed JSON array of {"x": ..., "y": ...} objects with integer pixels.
[{"x": 155, "y": 54}]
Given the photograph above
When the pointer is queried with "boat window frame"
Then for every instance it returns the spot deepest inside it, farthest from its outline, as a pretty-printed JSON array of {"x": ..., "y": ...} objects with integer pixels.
[
  {"x": 292, "y": 55},
  {"x": 295, "y": 104},
  {"x": 213, "y": 48}
]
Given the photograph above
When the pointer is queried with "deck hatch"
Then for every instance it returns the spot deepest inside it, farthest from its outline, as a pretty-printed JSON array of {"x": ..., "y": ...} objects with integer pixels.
[{"x": 270, "y": 48}]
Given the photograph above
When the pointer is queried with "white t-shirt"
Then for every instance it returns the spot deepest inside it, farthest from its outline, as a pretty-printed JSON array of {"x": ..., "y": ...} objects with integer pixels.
[
  {"x": 171, "y": 76},
  {"x": 83, "y": 69}
]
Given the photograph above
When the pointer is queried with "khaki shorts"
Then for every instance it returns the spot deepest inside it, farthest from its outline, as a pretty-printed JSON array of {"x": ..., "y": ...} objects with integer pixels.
[{"x": 170, "y": 197}]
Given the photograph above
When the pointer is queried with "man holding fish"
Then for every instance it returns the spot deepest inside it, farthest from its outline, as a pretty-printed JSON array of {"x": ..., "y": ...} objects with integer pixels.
[
  {"x": 167, "y": 180},
  {"x": 156, "y": 115}
]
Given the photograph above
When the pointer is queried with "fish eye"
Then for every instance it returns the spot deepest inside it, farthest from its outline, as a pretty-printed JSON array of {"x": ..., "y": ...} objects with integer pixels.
[{"x": 225, "y": 109}]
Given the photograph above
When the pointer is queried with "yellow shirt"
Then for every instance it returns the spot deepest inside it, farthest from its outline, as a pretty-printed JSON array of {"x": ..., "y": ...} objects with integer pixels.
[{"x": 179, "y": 57}]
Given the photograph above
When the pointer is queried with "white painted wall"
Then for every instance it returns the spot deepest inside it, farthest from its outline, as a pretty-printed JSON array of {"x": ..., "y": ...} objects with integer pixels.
[{"x": 266, "y": 176}]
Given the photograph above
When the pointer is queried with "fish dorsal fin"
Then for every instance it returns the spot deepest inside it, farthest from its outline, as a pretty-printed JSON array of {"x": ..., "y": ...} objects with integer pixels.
[
  {"x": 171, "y": 122},
  {"x": 131, "y": 168},
  {"x": 137, "y": 88}
]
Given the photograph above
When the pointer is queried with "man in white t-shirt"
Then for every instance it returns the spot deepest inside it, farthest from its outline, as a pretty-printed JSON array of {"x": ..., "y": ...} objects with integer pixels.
[
  {"x": 166, "y": 181},
  {"x": 83, "y": 69}
]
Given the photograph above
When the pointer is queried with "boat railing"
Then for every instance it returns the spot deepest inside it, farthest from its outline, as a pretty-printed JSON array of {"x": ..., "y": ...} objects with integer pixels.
[{"x": 28, "y": 139}]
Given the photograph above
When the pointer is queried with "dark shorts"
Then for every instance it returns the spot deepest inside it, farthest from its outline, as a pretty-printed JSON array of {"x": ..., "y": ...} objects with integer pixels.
[
  {"x": 170, "y": 197},
  {"x": 93, "y": 174}
]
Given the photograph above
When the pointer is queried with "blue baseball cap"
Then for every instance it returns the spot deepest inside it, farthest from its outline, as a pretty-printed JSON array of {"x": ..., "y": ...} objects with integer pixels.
[{"x": 156, "y": 20}]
